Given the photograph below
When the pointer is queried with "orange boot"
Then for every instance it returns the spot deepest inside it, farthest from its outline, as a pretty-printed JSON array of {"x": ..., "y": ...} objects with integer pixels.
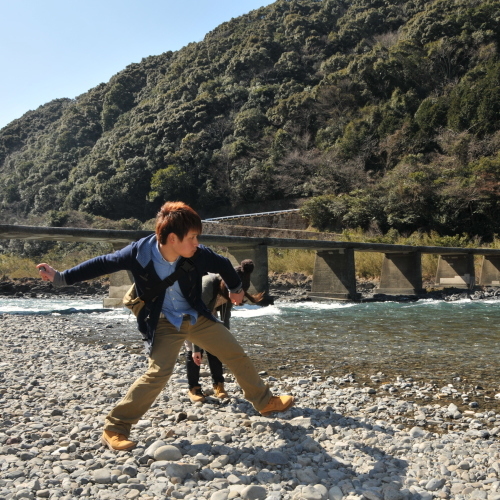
[
  {"x": 196, "y": 395},
  {"x": 219, "y": 391},
  {"x": 116, "y": 441},
  {"x": 277, "y": 403}
]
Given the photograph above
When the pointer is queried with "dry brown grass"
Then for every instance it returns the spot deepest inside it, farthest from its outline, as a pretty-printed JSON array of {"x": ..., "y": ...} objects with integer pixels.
[
  {"x": 291, "y": 261},
  {"x": 12, "y": 266}
]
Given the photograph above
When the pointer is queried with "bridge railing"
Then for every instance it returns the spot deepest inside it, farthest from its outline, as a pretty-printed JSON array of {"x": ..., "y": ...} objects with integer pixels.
[
  {"x": 334, "y": 272},
  {"x": 259, "y": 214}
]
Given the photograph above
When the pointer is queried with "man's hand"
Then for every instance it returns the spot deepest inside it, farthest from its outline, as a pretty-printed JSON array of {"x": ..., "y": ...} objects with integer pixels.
[
  {"x": 197, "y": 357},
  {"x": 47, "y": 273},
  {"x": 236, "y": 298}
]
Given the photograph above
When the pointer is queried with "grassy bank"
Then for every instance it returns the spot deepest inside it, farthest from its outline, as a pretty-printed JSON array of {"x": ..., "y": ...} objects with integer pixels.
[
  {"x": 61, "y": 257},
  {"x": 369, "y": 264}
]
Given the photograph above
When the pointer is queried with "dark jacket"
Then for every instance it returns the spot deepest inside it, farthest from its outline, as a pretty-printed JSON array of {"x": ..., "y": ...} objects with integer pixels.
[
  {"x": 136, "y": 258},
  {"x": 210, "y": 291}
]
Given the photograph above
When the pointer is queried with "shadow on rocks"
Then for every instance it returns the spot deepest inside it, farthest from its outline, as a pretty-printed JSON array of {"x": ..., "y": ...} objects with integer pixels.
[{"x": 334, "y": 455}]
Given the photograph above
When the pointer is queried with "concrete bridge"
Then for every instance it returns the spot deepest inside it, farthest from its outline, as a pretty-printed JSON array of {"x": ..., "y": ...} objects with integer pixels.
[
  {"x": 334, "y": 272},
  {"x": 280, "y": 219}
]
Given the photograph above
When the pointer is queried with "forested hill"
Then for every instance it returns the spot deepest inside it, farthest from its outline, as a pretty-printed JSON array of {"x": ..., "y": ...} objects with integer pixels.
[{"x": 388, "y": 109}]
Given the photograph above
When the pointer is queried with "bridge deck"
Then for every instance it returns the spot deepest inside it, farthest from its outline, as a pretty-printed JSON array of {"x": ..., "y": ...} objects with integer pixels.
[{"x": 8, "y": 231}]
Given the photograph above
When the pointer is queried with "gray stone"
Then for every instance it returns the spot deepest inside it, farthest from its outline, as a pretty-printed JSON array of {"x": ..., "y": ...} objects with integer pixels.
[
  {"x": 207, "y": 474},
  {"x": 24, "y": 494},
  {"x": 274, "y": 458},
  {"x": 233, "y": 479},
  {"x": 393, "y": 494},
  {"x": 266, "y": 477},
  {"x": 201, "y": 447},
  {"x": 435, "y": 484},
  {"x": 478, "y": 495},
  {"x": 253, "y": 492},
  {"x": 158, "y": 489},
  {"x": 179, "y": 469},
  {"x": 220, "y": 495},
  {"x": 416, "y": 432},
  {"x": 132, "y": 495},
  {"x": 336, "y": 475},
  {"x": 220, "y": 462},
  {"x": 335, "y": 493},
  {"x": 309, "y": 493},
  {"x": 102, "y": 476},
  {"x": 150, "y": 450},
  {"x": 130, "y": 470},
  {"x": 167, "y": 452},
  {"x": 371, "y": 495},
  {"x": 307, "y": 475},
  {"x": 457, "y": 488}
]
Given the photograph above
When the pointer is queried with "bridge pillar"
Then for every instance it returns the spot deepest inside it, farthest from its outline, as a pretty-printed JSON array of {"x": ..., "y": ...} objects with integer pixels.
[
  {"x": 401, "y": 274},
  {"x": 334, "y": 275},
  {"x": 490, "y": 271},
  {"x": 119, "y": 283},
  {"x": 259, "y": 281},
  {"x": 456, "y": 270}
]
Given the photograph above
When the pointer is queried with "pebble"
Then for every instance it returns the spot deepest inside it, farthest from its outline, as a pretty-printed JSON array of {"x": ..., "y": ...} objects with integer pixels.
[
  {"x": 341, "y": 441},
  {"x": 167, "y": 452}
]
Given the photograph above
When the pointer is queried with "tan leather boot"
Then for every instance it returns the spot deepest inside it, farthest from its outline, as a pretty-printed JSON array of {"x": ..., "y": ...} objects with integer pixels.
[
  {"x": 116, "y": 441},
  {"x": 219, "y": 391},
  {"x": 277, "y": 403},
  {"x": 196, "y": 395}
]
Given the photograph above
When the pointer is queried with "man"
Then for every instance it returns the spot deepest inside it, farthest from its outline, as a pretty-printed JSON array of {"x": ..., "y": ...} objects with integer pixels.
[{"x": 175, "y": 315}]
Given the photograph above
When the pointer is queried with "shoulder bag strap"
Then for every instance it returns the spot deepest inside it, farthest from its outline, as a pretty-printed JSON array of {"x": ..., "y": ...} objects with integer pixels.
[{"x": 152, "y": 293}]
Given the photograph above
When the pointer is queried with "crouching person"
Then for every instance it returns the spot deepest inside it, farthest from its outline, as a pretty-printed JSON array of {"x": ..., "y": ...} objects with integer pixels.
[
  {"x": 216, "y": 297},
  {"x": 175, "y": 315}
]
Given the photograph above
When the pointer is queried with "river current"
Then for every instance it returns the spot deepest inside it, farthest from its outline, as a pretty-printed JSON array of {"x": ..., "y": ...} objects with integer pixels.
[{"x": 428, "y": 340}]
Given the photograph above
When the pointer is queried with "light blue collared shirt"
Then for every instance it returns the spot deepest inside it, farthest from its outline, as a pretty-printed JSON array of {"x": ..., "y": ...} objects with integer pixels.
[{"x": 175, "y": 306}]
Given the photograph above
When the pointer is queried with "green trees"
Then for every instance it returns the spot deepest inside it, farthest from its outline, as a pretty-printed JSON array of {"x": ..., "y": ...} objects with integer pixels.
[
  {"x": 171, "y": 183},
  {"x": 388, "y": 112},
  {"x": 475, "y": 101}
]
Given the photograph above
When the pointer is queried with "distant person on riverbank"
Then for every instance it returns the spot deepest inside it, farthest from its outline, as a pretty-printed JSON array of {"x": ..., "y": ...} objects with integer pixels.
[
  {"x": 215, "y": 295},
  {"x": 175, "y": 315}
]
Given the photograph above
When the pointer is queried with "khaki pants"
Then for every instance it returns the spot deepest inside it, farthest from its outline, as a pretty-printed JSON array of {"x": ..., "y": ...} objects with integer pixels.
[{"x": 214, "y": 338}]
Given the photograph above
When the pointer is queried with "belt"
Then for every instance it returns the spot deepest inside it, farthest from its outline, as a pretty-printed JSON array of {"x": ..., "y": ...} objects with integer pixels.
[{"x": 185, "y": 317}]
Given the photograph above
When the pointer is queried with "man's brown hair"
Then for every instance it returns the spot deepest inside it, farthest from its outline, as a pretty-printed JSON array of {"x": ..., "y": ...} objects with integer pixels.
[{"x": 178, "y": 218}]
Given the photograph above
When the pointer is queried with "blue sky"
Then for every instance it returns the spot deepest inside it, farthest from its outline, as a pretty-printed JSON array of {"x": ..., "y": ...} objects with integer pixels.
[{"x": 55, "y": 48}]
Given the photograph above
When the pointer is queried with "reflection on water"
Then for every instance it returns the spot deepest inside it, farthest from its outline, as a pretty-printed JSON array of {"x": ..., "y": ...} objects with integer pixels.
[
  {"x": 426, "y": 339},
  {"x": 50, "y": 306}
]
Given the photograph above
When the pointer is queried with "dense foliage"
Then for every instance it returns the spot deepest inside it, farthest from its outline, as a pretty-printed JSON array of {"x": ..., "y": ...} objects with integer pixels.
[{"x": 383, "y": 113}]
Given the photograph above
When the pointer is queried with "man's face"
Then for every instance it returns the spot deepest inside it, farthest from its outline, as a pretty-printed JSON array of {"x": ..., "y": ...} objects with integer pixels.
[{"x": 187, "y": 246}]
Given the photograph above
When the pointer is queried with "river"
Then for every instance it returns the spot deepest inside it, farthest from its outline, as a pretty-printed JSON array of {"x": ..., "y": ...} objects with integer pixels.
[{"x": 429, "y": 340}]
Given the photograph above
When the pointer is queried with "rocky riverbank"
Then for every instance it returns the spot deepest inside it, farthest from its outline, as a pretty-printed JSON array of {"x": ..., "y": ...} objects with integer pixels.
[
  {"x": 35, "y": 287},
  {"x": 295, "y": 287},
  {"x": 342, "y": 440},
  {"x": 282, "y": 287}
]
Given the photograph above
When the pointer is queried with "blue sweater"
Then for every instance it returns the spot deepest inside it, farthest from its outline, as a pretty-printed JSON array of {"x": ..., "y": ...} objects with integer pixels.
[{"x": 137, "y": 258}]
